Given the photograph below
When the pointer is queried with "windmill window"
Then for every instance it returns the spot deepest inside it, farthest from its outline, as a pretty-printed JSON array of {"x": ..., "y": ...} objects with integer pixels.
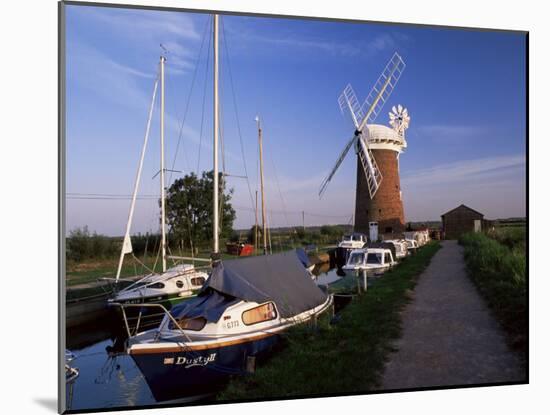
[
  {"x": 380, "y": 211},
  {"x": 255, "y": 315},
  {"x": 157, "y": 285},
  {"x": 198, "y": 281},
  {"x": 194, "y": 324}
]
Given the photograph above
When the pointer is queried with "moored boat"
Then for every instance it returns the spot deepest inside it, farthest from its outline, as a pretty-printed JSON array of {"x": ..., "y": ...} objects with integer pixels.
[
  {"x": 372, "y": 260},
  {"x": 177, "y": 284},
  {"x": 348, "y": 243},
  {"x": 240, "y": 312}
]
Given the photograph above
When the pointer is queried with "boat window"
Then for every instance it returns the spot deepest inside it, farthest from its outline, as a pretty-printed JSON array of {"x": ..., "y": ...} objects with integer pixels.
[
  {"x": 198, "y": 281},
  {"x": 356, "y": 258},
  {"x": 387, "y": 260},
  {"x": 347, "y": 238},
  {"x": 259, "y": 314},
  {"x": 373, "y": 258},
  {"x": 194, "y": 324},
  {"x": 179, "y": 284},
  {"x": 157, "y": 285}
]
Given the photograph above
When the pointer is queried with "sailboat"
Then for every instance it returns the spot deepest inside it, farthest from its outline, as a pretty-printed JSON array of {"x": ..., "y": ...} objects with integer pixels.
[
  {"x": 172, "y": 285},
  {"x": 237, "y": 316}
]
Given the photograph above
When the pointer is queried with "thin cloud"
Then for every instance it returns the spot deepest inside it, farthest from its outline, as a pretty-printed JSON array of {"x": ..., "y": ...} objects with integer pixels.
[
  {"x": 380, "y": 43},
  {"x": 464, "y": 171},
  {"x": 451, "y": 132},
  {"x": 149, "y": 29}
]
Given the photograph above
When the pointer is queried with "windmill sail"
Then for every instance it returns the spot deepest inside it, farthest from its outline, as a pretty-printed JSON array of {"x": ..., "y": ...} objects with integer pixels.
[
  {"x": 348, "y": 100},
  {"x": 370, "y": 168},
  {"x": 381, "y": 90},
  {"x": 338, "y": 162}
]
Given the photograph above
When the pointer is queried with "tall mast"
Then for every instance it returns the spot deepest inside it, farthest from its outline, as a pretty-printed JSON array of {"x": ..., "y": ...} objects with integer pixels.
[
  {"x": 127, "y": 243},
  {"x": 264, "y": 233},
  {"x": 215, "y": 248},
  {"x": 162, "y": 195}
]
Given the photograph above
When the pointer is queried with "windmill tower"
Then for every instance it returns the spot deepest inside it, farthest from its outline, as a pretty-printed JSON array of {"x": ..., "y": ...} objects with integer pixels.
[{"x": 378, "y": 192}]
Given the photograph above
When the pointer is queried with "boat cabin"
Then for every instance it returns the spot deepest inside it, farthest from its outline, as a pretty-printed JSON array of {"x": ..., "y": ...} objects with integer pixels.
[
  {"x": 353, "y": 241},
  {"x": 372, "y": 259}
]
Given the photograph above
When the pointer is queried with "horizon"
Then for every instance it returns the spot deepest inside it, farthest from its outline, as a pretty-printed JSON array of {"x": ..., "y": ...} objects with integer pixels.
[{"x": 465, "y": 91}]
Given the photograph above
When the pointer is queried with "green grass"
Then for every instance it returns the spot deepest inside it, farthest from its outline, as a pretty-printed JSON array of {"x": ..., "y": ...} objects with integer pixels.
[
  {"x": 341, "y": 358},
  {"x": 498, "y": 267}
]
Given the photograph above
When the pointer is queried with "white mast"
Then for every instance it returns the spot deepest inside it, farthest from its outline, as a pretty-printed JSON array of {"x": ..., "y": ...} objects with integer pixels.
[
  {"x": 216, "y": 131},
  {"x": 162, "y": 195},
  {"x": 127, "y": 244}
]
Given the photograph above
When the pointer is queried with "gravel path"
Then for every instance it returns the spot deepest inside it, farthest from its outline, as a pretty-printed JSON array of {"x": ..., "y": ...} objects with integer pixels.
[{"x": 449, "y": 335}]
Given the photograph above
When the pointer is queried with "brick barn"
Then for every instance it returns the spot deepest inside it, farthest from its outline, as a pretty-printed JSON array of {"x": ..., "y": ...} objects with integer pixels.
[{"x": 460, "y": 220}]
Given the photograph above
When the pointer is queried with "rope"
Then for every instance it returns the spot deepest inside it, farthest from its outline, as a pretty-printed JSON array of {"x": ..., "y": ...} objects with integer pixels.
[
  {"x": 203, "y": 104},
  {"x": 188, "y": 101},
  {"x": 237, "y": 114}
]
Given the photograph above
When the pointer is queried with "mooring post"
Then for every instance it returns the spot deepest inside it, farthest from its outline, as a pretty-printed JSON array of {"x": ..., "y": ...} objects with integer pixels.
[
  {"x": 365, "y": 279},
  {"x": 250, "y": 364}
]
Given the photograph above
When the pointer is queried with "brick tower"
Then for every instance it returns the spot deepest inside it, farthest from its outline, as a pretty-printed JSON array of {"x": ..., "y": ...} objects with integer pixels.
[{"x": 386, "y": 206}]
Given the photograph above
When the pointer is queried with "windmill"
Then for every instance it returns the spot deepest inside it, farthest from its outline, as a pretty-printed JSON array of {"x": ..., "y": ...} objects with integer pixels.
[{"x": 378, "y": 194}]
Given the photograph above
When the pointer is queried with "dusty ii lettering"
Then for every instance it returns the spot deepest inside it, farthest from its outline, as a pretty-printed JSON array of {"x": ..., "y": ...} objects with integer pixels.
[{"x": 197, "y": 361}]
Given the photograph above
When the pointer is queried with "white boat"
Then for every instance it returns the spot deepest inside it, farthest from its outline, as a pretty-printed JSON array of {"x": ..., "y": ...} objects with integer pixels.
[
  {"x": 372, "y": 260},
  {"x": 412, "y": 245},
  {"x": 354, "y": 240},
  {"x": 172, "y": 285},
  {"x": 348, "y": 243},
  {"x": 169, "y": 288},
  {"x": 401, "y": 247}
]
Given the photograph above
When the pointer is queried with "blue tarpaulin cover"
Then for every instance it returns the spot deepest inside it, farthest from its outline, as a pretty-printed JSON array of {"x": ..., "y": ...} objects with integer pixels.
[
  {"x": 302, "y": 256},
  {"x": 280, "y": 278}
]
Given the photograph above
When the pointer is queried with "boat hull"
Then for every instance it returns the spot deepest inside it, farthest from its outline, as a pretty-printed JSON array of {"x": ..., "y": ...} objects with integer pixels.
[
  {"x": 176, "y": 373},
  {"x": 353, "y": 272}
]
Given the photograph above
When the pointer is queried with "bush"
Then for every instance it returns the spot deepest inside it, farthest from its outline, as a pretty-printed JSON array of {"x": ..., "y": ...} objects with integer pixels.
[
  {"x": 500, "y": 273},
  {"x": 83, "y": 245}
]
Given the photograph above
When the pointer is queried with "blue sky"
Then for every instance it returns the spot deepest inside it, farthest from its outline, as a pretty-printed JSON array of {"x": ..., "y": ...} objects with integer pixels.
[{"x": 465, "y": 92}]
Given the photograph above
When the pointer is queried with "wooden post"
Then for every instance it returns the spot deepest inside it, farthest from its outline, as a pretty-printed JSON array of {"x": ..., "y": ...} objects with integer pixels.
[
  {"x": 264, "y": 233},
  {"x": 250, "y": 364},
  {"x": 256, "y": 226}
]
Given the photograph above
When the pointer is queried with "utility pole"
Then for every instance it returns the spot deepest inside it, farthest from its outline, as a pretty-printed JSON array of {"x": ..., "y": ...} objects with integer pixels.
[
  {"x": 303, "y": 220},
  {"x": 264, "y": 233}
]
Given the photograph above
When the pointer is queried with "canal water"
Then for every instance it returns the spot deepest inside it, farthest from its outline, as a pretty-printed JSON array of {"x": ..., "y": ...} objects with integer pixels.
[{"x": 108, "y": 378}]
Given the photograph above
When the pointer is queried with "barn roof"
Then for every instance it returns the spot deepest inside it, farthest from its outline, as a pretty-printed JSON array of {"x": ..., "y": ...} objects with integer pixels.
[{"x": 464, "y": 206}]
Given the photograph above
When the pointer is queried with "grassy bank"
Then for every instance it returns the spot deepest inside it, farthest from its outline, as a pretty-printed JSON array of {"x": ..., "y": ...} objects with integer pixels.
[
  {"x": 344, "y": 357},
  {"x": 497, "y": 265}
]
